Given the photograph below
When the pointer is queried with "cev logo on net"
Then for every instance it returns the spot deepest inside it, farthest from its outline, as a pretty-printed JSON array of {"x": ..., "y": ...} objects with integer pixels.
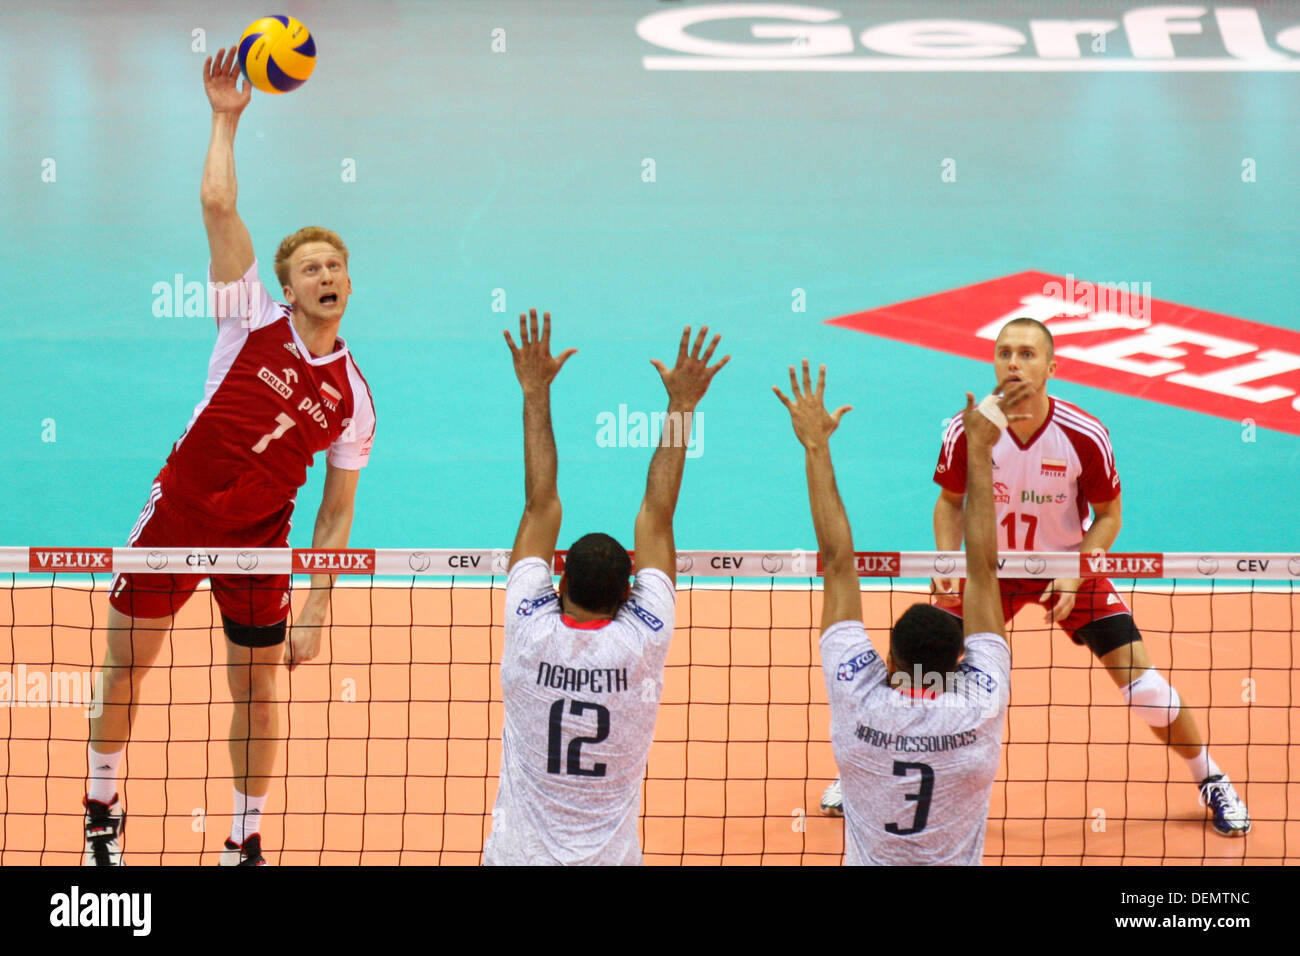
[{"x": 815, "y": 39}]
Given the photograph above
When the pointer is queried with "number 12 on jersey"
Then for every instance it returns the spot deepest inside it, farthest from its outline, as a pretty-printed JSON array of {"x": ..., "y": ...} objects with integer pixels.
[{"x": 555, "y": 739}]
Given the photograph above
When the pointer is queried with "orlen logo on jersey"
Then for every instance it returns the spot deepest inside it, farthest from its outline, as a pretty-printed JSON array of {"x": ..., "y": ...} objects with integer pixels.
[
  {"x": 1001, "y": 493},
  {"x": 1136, "y": 565},
  {"x": 333, "y": 560},
  {"x": 1137, "y": 346},
  {"x": 277, "y": 383},
  {"x": 70, "y": 559},
  {"x": 814, "y": 38}
]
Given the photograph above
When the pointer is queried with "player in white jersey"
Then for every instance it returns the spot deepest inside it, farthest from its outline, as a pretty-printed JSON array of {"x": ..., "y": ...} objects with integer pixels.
[
  {"x": 582, "y": 670},
  {"x": 1049, "y": 468},
  {"x": 918, "y": 736}
]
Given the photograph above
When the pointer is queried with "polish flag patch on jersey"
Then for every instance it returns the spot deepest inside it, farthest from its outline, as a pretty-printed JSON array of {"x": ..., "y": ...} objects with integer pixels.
[
  {"x": 1115, "y": 337},
  {"x": 1052, "y": 468}
]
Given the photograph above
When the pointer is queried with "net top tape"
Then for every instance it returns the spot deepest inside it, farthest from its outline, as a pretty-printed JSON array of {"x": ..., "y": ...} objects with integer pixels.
[{"x": 484, "y": 562}]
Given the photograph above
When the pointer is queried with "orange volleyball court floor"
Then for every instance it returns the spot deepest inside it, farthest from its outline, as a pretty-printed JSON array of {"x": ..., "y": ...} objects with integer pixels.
[{"x": 392, "y": 734}]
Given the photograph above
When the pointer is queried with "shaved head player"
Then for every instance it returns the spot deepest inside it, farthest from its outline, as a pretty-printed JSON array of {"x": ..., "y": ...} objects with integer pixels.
[
  {"x": 917, "y": 758},
  {"x": 582, "y": 669},
  {"x": 281, "y": 386}
]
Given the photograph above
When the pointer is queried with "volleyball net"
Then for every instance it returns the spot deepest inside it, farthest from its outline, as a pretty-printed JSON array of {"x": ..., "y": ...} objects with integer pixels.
[{"x": 390, "y": 738}]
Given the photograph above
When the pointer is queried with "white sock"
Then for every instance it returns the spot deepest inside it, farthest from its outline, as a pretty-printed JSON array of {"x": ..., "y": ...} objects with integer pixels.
[
  {"x": 247, "y": 818},
  {"x": 102, "y": 779},
  {"x": 1202, "y": 766}
]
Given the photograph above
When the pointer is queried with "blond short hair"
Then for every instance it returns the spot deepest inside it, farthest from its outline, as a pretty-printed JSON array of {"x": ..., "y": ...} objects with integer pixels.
[{"x": 303, "y": 236}]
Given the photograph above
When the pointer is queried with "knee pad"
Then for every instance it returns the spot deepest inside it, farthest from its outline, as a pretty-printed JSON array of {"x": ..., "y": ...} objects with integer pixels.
[
  {"x": 248, "y": 635},
  {"x": 1152, "y": 697}
]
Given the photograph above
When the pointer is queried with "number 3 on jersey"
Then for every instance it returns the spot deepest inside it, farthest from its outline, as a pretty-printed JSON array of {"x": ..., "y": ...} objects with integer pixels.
[
  {"x": 575, "y": 767},
  {"x": 922, "y": 797}
]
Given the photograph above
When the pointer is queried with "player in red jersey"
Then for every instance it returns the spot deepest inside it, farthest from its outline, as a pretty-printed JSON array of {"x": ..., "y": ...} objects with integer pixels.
[
  {"x": 1050, "y": 468},
  {"x": 281, "y": 387}
]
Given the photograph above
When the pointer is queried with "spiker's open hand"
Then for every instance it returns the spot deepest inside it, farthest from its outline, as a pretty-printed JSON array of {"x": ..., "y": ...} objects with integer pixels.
[{"x": 221, "y": 81}]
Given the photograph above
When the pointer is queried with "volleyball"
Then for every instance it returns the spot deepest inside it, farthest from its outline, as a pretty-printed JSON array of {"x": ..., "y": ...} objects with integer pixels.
[{"x": 277, "y": 54}]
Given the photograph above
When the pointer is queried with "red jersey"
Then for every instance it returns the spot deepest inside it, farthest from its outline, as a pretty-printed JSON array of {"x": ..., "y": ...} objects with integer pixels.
[
  {"x": 268, "y": 408},
  {"x": 1041, "y": 487}
]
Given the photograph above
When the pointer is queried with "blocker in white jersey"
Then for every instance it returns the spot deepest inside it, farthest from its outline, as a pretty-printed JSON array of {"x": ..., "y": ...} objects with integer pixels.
[
  {"x": 916, "y": 765},
  {"x": 583, "y": 665},
  {"x": 918, "y": 736},
  {"x": 581, "y": 701}
]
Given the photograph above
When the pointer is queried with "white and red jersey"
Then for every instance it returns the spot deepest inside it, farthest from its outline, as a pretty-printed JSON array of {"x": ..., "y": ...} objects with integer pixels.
[
  {"x": 1041, "y": 487},
  {"x": 581, "y": 701},
  {"x": 917, "y": 772},
  {"x": 268, "y": 408}
]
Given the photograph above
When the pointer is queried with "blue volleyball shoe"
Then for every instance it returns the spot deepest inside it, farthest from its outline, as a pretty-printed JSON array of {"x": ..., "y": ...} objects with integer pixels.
[{"x": 1231, "y": 818}]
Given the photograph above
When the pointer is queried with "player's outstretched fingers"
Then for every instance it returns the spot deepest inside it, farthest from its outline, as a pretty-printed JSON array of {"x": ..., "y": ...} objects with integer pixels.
[
  {"x": 684, "y": 346},
  {"x": 699, "y": 341},
  {"x": 708, "y": 353},
  {"x": 807, "y": 379}
]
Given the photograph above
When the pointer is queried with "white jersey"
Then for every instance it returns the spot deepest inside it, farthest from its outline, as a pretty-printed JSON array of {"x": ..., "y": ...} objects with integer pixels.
[
  {"x": 1041, "y": 487},
  {"x": 581, "y": 701},
  {"x": 917, "y": 772}
]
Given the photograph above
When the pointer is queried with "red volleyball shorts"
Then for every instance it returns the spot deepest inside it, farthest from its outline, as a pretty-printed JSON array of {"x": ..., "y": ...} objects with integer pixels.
[
  {"x": 252, "y": 600},
  {"x": 1095, "y": 599}
]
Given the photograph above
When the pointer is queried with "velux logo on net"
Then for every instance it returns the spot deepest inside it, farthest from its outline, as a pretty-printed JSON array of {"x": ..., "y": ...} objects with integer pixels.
[
  {"x": 787, "y": 36},
  {"x": 1136, "y": 345}
]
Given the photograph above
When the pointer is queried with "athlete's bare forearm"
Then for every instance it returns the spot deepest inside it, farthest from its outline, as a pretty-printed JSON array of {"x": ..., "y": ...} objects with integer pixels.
[
  {"x": 947, "y": 525},
  {"x": 219, "y": 189},
  {"x": 333, "y": 527},
  {"x": 830, "y": 520},
  {"x": 1101, "y": 536},
  {"x": 540, "y": 458},
  {"x": 664, "y": 478}
]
